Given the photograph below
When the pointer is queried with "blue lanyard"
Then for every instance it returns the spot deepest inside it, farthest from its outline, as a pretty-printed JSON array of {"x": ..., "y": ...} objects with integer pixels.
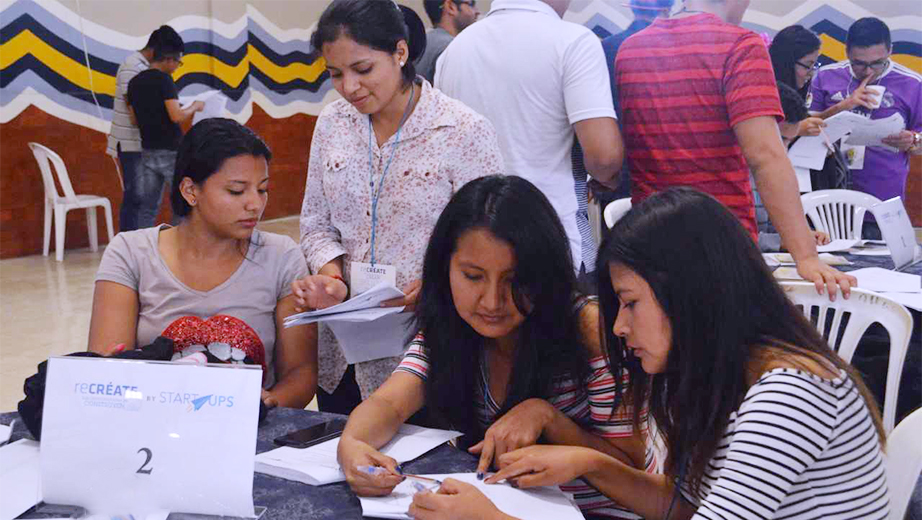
[{"x": 376, "y": 193}]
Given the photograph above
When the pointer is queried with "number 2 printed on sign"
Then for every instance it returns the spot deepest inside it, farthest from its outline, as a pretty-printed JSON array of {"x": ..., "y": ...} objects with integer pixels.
[{"x": 143, "y": 470}]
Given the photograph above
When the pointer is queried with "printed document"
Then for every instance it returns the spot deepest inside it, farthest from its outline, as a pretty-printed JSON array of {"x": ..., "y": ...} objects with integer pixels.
[
  {"x": 538, "y": 503},
  {"x": 317, "y": 464}
]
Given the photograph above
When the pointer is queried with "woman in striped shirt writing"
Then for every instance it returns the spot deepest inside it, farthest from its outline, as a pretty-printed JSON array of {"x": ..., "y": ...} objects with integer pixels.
[
  {"x": 760, "y": 418},
  {"x": 506, "y": 353}
]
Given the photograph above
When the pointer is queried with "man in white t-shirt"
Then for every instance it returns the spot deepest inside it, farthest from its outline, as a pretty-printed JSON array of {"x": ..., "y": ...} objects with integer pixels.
[{"x": 540, "y": 80}]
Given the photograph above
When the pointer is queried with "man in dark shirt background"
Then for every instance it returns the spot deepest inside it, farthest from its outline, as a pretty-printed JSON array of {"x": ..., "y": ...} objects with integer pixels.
[
  {"x": 645, "y": 11},
  {"x": 154, "y": 104}
]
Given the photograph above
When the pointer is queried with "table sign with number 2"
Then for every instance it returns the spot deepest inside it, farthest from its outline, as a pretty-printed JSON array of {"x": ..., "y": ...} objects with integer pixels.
[{"x": 140, "y": 436}]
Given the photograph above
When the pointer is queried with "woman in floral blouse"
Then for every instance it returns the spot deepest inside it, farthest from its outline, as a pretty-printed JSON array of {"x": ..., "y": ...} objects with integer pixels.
[{"x": 384, "y": 161}]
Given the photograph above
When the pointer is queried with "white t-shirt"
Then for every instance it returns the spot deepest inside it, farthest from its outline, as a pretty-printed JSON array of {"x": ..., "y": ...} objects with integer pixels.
[
  {"x": 533, "y": 76},
  {"x": 246, "y": 301}
]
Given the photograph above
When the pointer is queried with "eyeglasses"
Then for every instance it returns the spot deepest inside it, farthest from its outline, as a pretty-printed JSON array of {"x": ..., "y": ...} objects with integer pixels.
[
  {"x": 876, "y": 66},
  {"x": 177, "y": 60},
  {"x": 813, "y": 68},
  {"x": 472, "y": 3}
]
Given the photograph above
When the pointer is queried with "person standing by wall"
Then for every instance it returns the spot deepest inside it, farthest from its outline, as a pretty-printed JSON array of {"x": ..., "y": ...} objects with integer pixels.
[
  {"x": 153, "y": 102},
  {"x": 449, "y": 17},
  {"x": 124, "y": 135}
]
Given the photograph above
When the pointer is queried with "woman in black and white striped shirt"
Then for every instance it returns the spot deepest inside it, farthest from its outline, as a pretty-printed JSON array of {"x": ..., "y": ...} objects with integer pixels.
[{"x": 760, "y": 418}]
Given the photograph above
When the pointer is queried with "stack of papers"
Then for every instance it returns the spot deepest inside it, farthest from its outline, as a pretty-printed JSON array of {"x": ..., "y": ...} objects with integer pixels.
[
  {"x": 528, "y": 504},
  {"x": 364, "y": 329},
  {"x": 841, "y": 244},
  {"x": 317, "y": 464},
  {"x": 362, "y": 308},
  {"x": 774, "y": 259},
  {"x": 809, "y": 152},
  {"x": 20, "y": 478}
]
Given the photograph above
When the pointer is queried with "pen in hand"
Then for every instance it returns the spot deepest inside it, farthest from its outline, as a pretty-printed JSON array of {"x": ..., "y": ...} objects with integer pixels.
[{"x": 378, "y": 470}]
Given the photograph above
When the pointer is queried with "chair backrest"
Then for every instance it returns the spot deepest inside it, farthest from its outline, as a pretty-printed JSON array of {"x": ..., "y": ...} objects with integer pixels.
[
  {"x": 839, "y": 213},
  {"x": 843, "y": 322},
  {"x": 47, "y": 159},
  {"x": 904, "y": 462},
  {"x": 615, "y": 210}
]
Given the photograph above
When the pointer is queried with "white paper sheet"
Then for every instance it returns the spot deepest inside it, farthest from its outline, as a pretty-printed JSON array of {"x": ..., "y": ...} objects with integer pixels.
[
  {"x": 527, "y": 504},
  {"x": 382, "y": 338},
  {"x": 810, "y": 151},
  {"x": 804, "y": 183},
  {"x": 871, "y": 132},
  {"x": 911, "y": 300},
  {"x": 364, "y": 329},
  {"x": 363, "y": 307},
  {"x": 842, "y": 244},
  {"x": 20, "y": 478},
  {"x": 886, "y": 281},
  {"x": 773, "y": 259},
  {"x": 870, "y": 251},
  {"x": 317, "y": 464},
  {"x": 215, "y": 104}
]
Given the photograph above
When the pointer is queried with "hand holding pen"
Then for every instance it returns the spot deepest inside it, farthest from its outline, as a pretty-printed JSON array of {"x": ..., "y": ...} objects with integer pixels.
[
  {"x": 420, "y": 483},
  {"x": 353, "y": 455}
]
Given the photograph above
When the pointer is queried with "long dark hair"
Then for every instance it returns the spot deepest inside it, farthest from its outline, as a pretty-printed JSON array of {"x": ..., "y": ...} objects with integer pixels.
[
  {"x": 726, "y": 312},
  {"x": 549, "y": 346},
  {"x": 788, "y": 46},
  {"x": 379, "y": 24}
]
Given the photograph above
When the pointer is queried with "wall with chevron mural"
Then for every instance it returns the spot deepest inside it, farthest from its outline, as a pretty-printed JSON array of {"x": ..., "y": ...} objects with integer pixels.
[{"x": 58, "y": 60}]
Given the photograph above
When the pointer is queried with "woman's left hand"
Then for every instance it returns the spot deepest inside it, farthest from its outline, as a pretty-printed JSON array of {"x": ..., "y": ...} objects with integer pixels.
[
  {"x": 411, "y": 290},
  {"x": 521, "y": 426},
  {"x": 543, "y": 465},
  {"x": 455, "y": 500}
]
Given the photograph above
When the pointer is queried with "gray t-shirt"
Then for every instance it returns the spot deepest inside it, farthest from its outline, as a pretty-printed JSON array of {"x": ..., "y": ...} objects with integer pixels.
[
  {"x": 436, "y": 41},
  {"x": 250, "y": 294}
]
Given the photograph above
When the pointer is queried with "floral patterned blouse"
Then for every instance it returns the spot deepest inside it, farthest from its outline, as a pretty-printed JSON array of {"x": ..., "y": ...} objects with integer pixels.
[{"x": 443, "y": 145}]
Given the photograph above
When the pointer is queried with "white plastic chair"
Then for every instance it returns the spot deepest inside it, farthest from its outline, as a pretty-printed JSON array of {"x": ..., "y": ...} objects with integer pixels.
[
  {"x": 904, "y": 462},
  {"x": 615, "y": 210},
  {"x": 838, "y": 213},
  {"x": 843, "y": 322},
  {"x": 58, "y": 205}
]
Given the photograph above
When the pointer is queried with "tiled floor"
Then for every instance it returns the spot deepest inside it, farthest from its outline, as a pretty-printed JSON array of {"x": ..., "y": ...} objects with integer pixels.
[{"x": 45, "y": 309}]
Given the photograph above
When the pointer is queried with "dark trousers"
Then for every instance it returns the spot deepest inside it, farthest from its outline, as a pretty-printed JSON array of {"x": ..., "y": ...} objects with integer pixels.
[
  {"x": 127, "y": 213},
  {"x": 347, "y": 396},
  {"x": 344, "y": 399}
]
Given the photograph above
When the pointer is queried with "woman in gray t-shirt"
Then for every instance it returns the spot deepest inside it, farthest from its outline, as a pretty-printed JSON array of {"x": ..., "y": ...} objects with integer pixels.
[{"x": 213, "y": 282}]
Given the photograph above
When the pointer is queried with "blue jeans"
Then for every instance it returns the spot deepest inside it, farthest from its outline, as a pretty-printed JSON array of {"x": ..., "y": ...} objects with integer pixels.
[
  {"x": 154, "y": 172},
  {"x": 127, "y": 218}
]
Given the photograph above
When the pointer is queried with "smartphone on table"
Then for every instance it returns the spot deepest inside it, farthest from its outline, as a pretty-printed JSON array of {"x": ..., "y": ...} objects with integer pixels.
[{"x": 313, "y": 434}]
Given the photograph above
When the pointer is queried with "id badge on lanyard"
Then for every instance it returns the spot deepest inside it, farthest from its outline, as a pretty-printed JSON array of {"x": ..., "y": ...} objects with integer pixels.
[{"x": 364, "y": 276}]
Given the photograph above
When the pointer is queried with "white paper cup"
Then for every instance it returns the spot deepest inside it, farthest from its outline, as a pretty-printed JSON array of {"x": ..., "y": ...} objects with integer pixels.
[{"x": 878, "y": 91}]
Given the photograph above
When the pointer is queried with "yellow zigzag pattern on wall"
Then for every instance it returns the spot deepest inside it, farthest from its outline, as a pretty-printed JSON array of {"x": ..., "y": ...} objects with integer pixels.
[{"x": 28, "y": 43}]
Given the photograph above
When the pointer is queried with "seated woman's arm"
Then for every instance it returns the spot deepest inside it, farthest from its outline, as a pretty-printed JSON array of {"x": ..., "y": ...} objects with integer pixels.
[
  {"x": 295, "y": 360},
  {"x": 532, "y": 419},
  {"x": 114, "y": 321},
  {"x": 371, "y": 425}
]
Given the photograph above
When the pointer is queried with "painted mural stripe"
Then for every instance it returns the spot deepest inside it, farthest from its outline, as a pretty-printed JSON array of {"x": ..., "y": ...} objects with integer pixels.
[{"x": 26, "y": 43}]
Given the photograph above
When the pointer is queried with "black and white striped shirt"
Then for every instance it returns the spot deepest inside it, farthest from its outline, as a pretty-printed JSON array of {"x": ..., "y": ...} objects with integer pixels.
[{"x": 799, "y": 447}]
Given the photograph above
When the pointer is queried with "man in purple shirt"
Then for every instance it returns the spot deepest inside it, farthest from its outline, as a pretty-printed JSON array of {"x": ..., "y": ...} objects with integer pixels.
[{"x": 846, "y": 86}]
